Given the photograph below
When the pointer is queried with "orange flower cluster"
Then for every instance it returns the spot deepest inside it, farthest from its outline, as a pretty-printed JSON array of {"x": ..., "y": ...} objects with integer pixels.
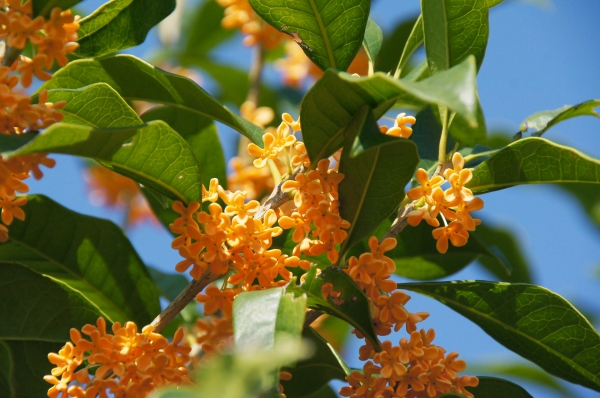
[
  {"x": 123, "y": 364},
  {"x": 52, "y": 38},
  {"x": 314, "y": 213},
  {"x": 239, "y": 14},
  {"x": 400, "y": 128},
  {"x": 413, "y": 368},
  {"x": 116, "y": 191},
  {"x": 455, "y": 204}
]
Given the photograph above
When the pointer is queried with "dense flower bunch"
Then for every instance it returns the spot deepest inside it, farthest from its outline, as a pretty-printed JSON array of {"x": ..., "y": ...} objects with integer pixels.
[
  {"x": 116, "y": 191},
  {"x": 239, "y": 14},
  {"x": 52, "y": 40},
  {"x": 124, "y": 363},
  {"x": 455, "y": 204},
  {"x": 414, "y": 367}
]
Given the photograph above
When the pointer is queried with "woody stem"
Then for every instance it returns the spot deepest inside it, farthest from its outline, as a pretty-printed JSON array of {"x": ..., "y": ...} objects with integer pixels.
[{"x": 10, "y": 56}]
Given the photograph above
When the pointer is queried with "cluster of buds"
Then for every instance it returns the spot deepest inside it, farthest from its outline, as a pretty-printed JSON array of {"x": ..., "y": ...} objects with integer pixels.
[
  {"x": 124, "y": 363},
  {"x": 52, "y": 40},
  {"x": 455, "y": 204},
  {"x": 413, "y": 368},
  {"x": 239, "y": 14}
]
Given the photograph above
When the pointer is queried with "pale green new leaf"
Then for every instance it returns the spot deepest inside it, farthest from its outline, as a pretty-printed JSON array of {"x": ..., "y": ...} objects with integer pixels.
[
  {"x": 453, "y": 30},
  {"x": 152, "y": 154},
  {"x": 534, "y": 161},
  {"x": 337, "y": 97},
  {"x": 530, "y": 320},
  {"x": 120, "y": 24},
  {"x": 372, "y": 40},
  {"x": 89, "y": 255},
  {"x": 331, "y": 31},
  {"x": 135, "y": 79},
  {"x": 543, "y": 121}
]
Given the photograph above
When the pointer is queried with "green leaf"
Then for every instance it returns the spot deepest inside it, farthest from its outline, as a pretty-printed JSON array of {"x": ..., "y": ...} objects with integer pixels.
[
  {"x": 35, "y": 307},
  {"x": 375, "y": 178},
  {"x": 503, "y": 243},
  {"x": 169, "y": 285},
  {"x": 45, "y": 7},
  {"x": 492, "y": 387},
  {"x": 466, "y": 134},
  {"x": 153, "y": 154},
  {"x": 543, "y": 121},
  {"x": 7, "y": 388},
  {"x": 524, "y": 371},
  {"x": 264, "y": 317},
  {"x": 135, "y": 79},
  {"x": 427, "y": 132},
  {"x": 29, "y": 361},
  {"x": 533, "y": 161},
  {"x": 205, "y": 30},
  {"x": 372, "y": 40},
  {"x": 454, "y": 29},
  {"x": 331, "y": 32},
  {"x": 414, "y": 41},
  {"x": 393, "y": 45},
  {"x": 89, "y": 255},
  {"x": 96, "y": 105},
  {"x": 337, "y": 97},
  {"x": 323, "y": 392},
  {"x": 120, "y": 24},
  {"x": 311, "y": 375},
  {"x": 530, "y": 320},
  {"x": 352, "y": 305}
]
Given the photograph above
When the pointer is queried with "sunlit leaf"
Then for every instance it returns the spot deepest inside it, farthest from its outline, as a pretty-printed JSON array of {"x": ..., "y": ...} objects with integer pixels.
[
  {"x": 372, "y": 40},
  {"x": 331, "y": 32},
  {"x": 90, "y": 256},
  {"x": 135, "y": 79},
  {"x": 337, "y": 97},
  {"x": 352, "y": 305},
  {"x": 543, "y": 121},
  {"x": 534, "y": 161},
  {"x": 532, "y": 321},
  {"x": 120, "y": 24},
  {"x": 393, "y": 45},
  {"x": 414, "y": 41},
  {"x": 453, "y": 30}
]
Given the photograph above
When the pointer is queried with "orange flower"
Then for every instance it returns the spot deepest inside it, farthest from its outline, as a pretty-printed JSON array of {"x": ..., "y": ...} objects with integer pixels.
[
  {"x": 390, "y": 360},
  {"x": 215, "y": 299},
  {"x": 400, "y": 129},
  {"x": 378, "y": 250},
  {"x": 326, "y": 177},
  {"x": 10, "y": 209},
  {"x": 455, "y": 232},
  {"x": 427, "y": 185}
]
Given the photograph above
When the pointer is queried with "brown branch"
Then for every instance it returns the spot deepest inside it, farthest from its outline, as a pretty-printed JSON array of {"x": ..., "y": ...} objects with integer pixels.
[
  {"x": 401, "y": 220},
  {"x": 276, "y": 199},
  {"x": 10, "y": 56},
  {"x": 311, "y": 316},
  {"x": 255, "y": 75}
]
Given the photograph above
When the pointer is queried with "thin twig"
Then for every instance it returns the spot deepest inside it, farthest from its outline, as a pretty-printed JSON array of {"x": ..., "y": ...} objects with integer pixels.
[
  {"x": 311, "y": 316},
  {"x": 10, "y": 56},
  {"x": 255, "y": 75},
  {"x": 277, "y": 197}
]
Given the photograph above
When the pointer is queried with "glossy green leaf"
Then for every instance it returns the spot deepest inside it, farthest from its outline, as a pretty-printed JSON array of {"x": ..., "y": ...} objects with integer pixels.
[
  {"x": 331, "y": 32},
  {"x": 492, "y": 387},
  {"x": 35, "y": 307},
  {"x": 524, "y": 371},
  {"x": 375, "y": 178},
  {"x": 45, "y": 7},
  {"x": 29, "y": 362},
  {"x": 96, "y": 105},
  {"x": 543, "y": 121},
  {"x": 466, "y": 134},
  {"x": 530, "y": 320},
  {"x": 169, "y": 284},
  {"x": 372, "y": 40},
  {"x": 120, "y": 24},
  {"x": 427, "y": 132},
  {"x": 337, "y": 97},
  {"x": 310, "y": 375},
  {"x": 533, "y": 161},
  {"x": 588, "y": 196},
  {"x": 89, "y": 255},
  {"x": 393, "y": 45},
  {"x": 506, "y": 247},
  {"x": 415, "y": 39},
  {"x": 153, "y": 154},
  {"x": 264, "y": 317},
  {"x": 135, "y": 79},
  {"x": 453, "y": 30},
  {"x": 352, "y": 305}
]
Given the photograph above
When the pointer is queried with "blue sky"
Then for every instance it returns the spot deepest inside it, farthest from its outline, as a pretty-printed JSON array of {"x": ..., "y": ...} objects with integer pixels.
[{"x": 538, "y": 58}]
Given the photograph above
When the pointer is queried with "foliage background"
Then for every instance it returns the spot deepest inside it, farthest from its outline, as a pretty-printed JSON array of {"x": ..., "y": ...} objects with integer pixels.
[{"x": 541, "y": 55}]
